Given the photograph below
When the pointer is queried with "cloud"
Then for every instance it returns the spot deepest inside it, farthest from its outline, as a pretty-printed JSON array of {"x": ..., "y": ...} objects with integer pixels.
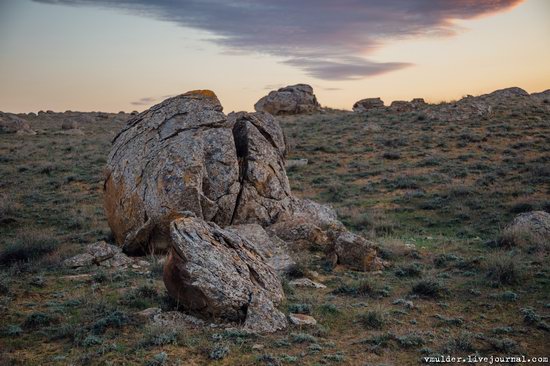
[
  {"x": 346, "y": 68},
  {"x": 326, "y": 39},
  {"x": 145, "y": 101}
]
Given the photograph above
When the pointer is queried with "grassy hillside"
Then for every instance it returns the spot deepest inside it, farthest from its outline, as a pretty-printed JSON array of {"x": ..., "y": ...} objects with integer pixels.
[{"x": 433, "y": 194}]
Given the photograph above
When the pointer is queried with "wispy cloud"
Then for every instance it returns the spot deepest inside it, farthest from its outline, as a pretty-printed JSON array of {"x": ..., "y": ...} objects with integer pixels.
[{"x": 325, "y": 38}]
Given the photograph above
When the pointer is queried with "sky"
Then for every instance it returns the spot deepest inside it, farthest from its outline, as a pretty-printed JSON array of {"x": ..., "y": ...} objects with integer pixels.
[{"x": 106, "y": 55}]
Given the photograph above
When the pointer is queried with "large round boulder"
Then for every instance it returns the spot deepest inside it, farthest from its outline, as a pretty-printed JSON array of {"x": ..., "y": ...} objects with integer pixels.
[
  {"x": 185, "y": 154},
  {"x": 293, "y": 99}
]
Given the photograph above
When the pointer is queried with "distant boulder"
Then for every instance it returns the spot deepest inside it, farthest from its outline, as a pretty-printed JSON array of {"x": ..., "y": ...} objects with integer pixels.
[
  {"x": 69, "y": 124},
  {"x": 293, "y": 99},
  {"x": 528, "y": 229},
  {"x": 10, "y": 123},
  {"x": 543, "y": 97},
  {"x": 367, "y": 104},
  {"x": 509, "y": 92},
  {"x": 401, "y": 106}
]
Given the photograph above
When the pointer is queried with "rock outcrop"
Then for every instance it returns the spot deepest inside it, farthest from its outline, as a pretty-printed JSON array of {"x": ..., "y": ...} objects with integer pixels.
[
  {"x": 221, "y": 274},
  {"x": 212, "y": 190},
  {"x": 186, "y": 155},
  {"x": 368, "y": 104},
  {"x": 10, "y": 123},
  {"x": 293, "y": 99}
]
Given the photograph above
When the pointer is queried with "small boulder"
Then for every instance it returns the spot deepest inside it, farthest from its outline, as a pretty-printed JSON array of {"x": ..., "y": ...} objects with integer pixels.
[
  {"x": 79, "y": 260},
  {"x": 102, "y": 251},
  {"x": 220, "y": 274},
  {"x": 306, "y": 282},
  {"x": 355, "y": 252},
  {"x": 367, "y": 104},
  {"x": 69, "y": 124},
  {"x": 119, "y": 260},
  {"x": 301, "y": 319},
  {"x": 528, "y": 229},
  {"x": 10, "y": 123},
  {"x": 293, "y": 99}
]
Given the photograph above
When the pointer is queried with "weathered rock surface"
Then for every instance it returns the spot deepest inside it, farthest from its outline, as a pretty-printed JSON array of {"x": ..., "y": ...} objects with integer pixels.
[
  {"x": 306, "y": 282},
  {"x": 293, "y": 99},
  {"x": 273, "y": 249},
  {"x": 530, "y": 228},
  {"x": 355, "y": 252},
  {"x": 367, "y": 104},
  {"x": 302, "y": 319},
  {"x": 10, "y": 123},
  {"x": 186, "y": 155},
  {"x": 79, "y": 260},
  {"x": 401, "y": 106},
  {"x": 221, "y": 274},
  {"x": 105, "y": 255}
]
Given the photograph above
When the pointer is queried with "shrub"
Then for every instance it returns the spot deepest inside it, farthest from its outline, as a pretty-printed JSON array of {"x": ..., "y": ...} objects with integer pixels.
[
  {"x": 115, "y": 319},
  {"x": 303, "y": 338},
  {"x": 141, "y": 297},
  {"x": 329, "y": 309},
  {"x": 218, "y": 352},
  {"x": 410, "y": 340},
  {"x": 410, "y": 270},
  {"x": 373, "y": 319},
  {"x": 5, "y": 285},
  {"x": 159, "y": 336},
  {"x": 35, "y": 320},
  {"x": 429, "y": 289},
  {"x": 502, "y": 269},
  {"x": 29, "y": 245},
  {"x": 92, "y": 340},
  {"x": 461, "y": 343},
  {"x": 359, "y": 288},
  {"x": 443, "y": 260},
  {"x": 159, "y": 359},
  {"x": 299, "y": 308}
]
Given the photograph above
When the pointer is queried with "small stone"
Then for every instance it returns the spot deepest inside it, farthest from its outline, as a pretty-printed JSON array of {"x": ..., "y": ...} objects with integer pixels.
[
  {"x": 148, "y": 313},
  {"x": 120, "y": 260},
  {"x": 258, "y": 347},
  {"x": 176, "y": 319},
  {"x": 80, "y": 260},
  {"x": 302, "y": 319},
  {"x": 102, "y": 251},
  {"x": 306, "y": 282}
]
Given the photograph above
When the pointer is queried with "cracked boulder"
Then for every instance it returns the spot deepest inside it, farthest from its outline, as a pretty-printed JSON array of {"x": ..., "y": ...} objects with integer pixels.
[
  {"x": 220, "y": 274},
  {"x": 185, "y": 154},
  {"x": 293, "y": 99}
]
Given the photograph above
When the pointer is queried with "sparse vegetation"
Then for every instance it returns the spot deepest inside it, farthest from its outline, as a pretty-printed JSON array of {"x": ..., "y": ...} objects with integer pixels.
[{"x": 431, "y": 206}]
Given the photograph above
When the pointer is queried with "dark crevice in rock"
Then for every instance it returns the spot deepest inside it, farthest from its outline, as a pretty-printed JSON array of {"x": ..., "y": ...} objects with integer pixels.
[
  {"x": 240, "y": 138},
  {"x": 217, "y": 124}
]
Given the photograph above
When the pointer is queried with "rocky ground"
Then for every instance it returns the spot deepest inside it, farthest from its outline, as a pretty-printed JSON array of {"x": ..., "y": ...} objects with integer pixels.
[{"x": 433, "y": 186}]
